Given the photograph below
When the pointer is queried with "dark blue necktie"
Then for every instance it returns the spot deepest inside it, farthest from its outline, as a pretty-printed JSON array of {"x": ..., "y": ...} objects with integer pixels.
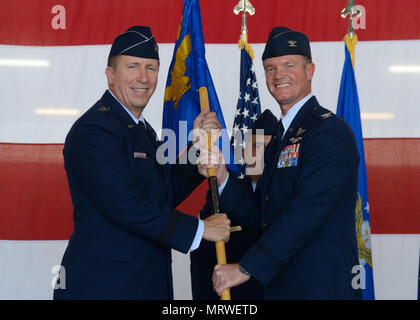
[
  {"x": 150, "y": 133},
  {"x": 280, "y": 130}
]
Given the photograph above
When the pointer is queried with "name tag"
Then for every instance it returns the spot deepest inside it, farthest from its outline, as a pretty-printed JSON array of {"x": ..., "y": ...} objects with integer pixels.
[
  {"x": 140, "y": 155},
  {"x": 289, "y": 156}
]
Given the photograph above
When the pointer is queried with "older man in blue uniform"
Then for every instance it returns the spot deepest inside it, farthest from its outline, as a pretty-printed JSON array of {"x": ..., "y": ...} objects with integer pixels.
[
  {"x": 306, "y": 199},
  {"x": 123, "y": 196},
  {"x": 204, "y": 258}
]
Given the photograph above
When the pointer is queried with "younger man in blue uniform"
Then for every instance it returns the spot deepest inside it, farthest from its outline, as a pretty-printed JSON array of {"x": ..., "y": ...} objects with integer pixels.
[{"x": 307, "y": 192}]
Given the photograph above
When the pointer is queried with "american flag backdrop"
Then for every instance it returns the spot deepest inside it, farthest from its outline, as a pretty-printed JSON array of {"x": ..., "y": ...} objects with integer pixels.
[{"x": 52, "y": 62}]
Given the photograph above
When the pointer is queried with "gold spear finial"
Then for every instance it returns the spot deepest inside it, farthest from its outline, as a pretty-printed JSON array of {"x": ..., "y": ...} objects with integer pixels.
[
  {"x": 244, "y": 6},
  {"x": 350, "y": 38},
  {"x": 352, "y": 10}
]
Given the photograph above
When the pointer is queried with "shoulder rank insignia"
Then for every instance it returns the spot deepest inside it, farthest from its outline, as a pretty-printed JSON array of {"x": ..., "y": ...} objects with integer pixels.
[
  {"x": 289, "y": 156},
  {"x": 326, "y": 115},
  {"x": 104, "y": 108}
]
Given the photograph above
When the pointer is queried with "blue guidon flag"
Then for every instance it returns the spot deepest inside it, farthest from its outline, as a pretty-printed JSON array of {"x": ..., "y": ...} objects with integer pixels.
[
  {"x": 348, "y": 108},
  {"x": 187, "y": 73}
]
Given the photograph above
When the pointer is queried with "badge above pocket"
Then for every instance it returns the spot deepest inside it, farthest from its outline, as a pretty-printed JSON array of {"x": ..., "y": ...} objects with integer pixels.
[{"x": 289, "y": 156}]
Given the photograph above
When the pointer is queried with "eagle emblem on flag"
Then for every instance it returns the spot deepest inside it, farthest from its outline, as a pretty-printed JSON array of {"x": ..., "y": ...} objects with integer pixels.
[{"x": 363, "y": 234}]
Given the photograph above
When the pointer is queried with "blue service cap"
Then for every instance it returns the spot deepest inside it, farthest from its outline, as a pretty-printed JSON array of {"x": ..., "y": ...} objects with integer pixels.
[
  {"x": 283, "y": 41},
  {"x": 137, "y": 41},
  {"x": 266, "y": 121}
]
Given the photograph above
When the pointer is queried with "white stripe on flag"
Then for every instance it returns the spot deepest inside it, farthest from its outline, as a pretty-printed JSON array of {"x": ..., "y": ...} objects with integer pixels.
[
  {"x": 26, "y": 268},
  {"x": 75, "y": 80}
]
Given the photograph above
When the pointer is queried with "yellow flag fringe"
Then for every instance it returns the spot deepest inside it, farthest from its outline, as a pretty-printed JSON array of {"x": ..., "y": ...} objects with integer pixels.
[
  {"x": 244, "y": 44},
  {"x": 351, "y": 46}
]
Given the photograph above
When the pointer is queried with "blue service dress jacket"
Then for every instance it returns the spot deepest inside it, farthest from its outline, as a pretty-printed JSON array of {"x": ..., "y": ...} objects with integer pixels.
[
  {"x": 305, "y": 209},
  {"x": 124, "y": 221},
  {"x": 204, "y": 259}
]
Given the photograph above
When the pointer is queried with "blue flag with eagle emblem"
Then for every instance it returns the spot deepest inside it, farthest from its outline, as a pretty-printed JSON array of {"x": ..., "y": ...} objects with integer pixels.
[
  {"x": 188, "y": 72},
  {"x": 248, "y": 108},
  {"x": 348, "y": 109}
]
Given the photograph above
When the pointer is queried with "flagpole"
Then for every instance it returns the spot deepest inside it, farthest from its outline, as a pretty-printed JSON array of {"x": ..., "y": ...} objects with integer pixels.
[
  {"x": 190, "y": 44},
  {"x": 350, "y": 39},
  {"x": 244, "y": 6},
  {"x": 348, "y": 108},
  {"x": 212, "y": 179}
]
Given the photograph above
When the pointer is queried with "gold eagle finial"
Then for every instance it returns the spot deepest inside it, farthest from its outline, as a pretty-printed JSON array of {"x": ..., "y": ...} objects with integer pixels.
[{"x": 363, "y": 234}]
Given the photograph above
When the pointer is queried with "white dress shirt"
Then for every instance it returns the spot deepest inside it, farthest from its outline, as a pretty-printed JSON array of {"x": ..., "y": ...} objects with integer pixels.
[{"x": 287, "y": 119}]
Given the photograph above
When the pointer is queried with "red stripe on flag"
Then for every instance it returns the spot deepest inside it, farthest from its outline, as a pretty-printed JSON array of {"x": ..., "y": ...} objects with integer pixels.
[
  {"x": 28, "y": 22},
  {"x": 393, "y": 171},
  {"x": 36, "y": 204},
  {"x": 34, "y": 196}
]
